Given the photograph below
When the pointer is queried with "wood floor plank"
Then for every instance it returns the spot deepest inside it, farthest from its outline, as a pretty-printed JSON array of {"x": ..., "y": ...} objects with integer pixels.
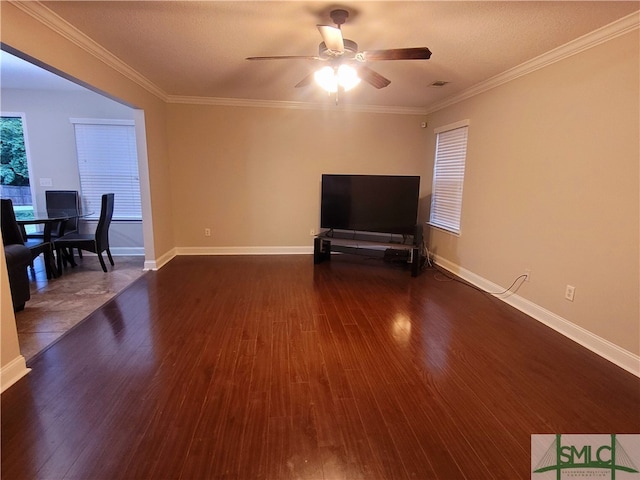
[
  {"x": 252, "y": 459},
  {"x": 268, "y": 367},
  {"x": 304, "y": 457},
  {"x": 299, "y": 353},
  {"x": 225, "y": 461},
  {"x": 362, "y": 462},
  {"x": 323, "y": 399},
  {"x": 278, "y": 449},
  {"x": 375, "y": 427},
  {"x": 279, "y": 389},
  {"x": 331, "y": 355},
  {"x": 217, "y": 414}
]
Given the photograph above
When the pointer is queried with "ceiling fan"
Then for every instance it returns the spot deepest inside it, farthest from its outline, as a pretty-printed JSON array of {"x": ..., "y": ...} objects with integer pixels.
[{"x": 344, "y": 63}]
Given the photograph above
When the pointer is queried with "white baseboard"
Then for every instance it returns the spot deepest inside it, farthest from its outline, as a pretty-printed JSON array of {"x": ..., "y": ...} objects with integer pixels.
[
  {"x": 244, "y": 250},
  {"x": 606, "y": 349},
  {"x": 127, "y": 251},
  {"x": 164, "y": 259},
  {"x": 149, "y": 265},
  {"x": 160, "y": 262},
  {"x": 12, "y": 372},
  {"x": 120, "y": 252}
]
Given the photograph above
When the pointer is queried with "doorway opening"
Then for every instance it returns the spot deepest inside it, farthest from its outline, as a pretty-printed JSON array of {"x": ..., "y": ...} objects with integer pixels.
[{"x": 58, "y": 305}]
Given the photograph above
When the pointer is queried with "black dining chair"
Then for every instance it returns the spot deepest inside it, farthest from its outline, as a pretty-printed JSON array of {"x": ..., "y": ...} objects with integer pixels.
[
  {"x": 65, "y": 202},
  {"x": 97, "y": 242},
  {"x": 12, "y": 234}
]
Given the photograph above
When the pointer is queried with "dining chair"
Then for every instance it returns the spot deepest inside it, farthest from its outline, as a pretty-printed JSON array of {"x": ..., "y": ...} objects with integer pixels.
[
  {"x": 12, "y": 234},
  {"x": 64, "y": 201},
  {"x": 67, "y": 202},
  {"x": 61, "y": 201},
  {"x": 97, "y": 242}
]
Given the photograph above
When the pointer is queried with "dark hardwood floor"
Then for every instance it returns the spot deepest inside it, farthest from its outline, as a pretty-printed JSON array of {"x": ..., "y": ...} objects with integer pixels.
[{"x": 271, "y": 368}]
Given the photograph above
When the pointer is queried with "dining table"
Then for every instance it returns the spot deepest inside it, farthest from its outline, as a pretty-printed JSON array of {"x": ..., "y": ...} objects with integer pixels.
[{"x": 49, "y": 219}]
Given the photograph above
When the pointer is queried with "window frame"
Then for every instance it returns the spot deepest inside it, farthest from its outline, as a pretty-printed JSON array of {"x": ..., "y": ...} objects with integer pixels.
[{"x": 446, "y": 213}]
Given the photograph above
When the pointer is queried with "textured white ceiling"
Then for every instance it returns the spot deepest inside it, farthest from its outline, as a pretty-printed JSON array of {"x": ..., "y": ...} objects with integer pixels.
[{"x": 198, "y": 49}]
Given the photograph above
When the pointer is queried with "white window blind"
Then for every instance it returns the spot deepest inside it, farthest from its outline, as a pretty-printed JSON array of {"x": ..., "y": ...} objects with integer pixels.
[
  {"x": 108, "y": 163},
  {"x": 448, "y": 177}
]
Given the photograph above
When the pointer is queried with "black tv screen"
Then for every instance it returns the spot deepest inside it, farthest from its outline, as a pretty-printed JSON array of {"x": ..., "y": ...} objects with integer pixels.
[{"x": 370, "y": 203}]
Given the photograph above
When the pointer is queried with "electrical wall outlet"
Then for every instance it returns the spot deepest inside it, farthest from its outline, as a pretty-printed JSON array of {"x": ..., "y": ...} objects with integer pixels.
[
  {"x": 312, "y": 232},
  {"x": 207, "y": 232},
  {"x": 570, "y": 292}
]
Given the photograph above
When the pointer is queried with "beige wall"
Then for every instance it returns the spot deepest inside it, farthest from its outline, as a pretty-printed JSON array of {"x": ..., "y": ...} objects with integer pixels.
[
  {"x": 252, "y": 175},
  {"x": 551, "y": 184},
  {"x": 8, "y": 334},
  {"x": 11, "y": 362}
]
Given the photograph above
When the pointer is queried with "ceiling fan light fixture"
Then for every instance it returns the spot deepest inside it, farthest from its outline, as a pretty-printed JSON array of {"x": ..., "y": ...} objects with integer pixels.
[
  {"x": 327, "y": 79},
  {"x": 339, "y": 52},
  {"x": 347, "y": 77},
  {"x": 330, "y": 78}
]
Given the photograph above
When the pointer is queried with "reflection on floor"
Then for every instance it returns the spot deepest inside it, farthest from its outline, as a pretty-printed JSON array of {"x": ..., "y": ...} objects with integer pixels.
[{"x": 57, "y": 305}]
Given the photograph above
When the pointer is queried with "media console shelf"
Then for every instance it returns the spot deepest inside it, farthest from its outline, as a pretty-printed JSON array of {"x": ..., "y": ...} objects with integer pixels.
[{"x": 382, "y": 245}]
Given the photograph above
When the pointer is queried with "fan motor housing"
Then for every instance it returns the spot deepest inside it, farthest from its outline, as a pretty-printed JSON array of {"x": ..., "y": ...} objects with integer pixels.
[{"x": 349, "y": 46}]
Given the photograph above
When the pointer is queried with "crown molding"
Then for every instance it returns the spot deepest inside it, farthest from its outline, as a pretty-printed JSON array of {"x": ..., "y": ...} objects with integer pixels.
[
  {"x": 47, "y": 17},
  {"x": 56, "y": 23},
  {"x": 604, "y": 34},
  {"x": 240, "y": 102}
]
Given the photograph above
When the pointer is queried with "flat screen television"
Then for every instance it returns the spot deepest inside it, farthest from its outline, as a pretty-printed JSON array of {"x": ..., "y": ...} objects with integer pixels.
[{"x": 370, "y": 203}]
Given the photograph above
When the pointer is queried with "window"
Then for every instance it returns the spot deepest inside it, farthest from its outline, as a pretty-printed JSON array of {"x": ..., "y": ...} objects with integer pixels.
[
  {"x": 108, "y": 162},
  {"x": 14, "y": 165},
  {"x": 448, "y": 176}
]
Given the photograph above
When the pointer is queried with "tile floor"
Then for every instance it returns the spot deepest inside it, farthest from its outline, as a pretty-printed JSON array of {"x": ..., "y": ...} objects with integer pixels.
[{"x": 59, "y": 304}]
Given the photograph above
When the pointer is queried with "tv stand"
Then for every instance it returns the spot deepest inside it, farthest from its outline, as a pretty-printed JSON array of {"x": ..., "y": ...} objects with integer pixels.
[{"x": 382, "y": 245}]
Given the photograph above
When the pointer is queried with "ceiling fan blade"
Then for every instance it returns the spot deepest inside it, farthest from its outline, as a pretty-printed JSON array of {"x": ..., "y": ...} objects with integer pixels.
[
  {"x": 372, "y": 77},
  {"x": 332, "y": 37},
  {"x": 286, "y": 57},
  {"x": 418, "y": 53},
  {"x": 305, "y": 81}
]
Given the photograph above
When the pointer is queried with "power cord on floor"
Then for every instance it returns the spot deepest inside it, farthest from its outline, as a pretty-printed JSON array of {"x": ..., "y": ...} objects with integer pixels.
[
  {"x": 517, "y": 283},
  {"x": 508, "y": 290},
  {"x": 426, "y": 255}
]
